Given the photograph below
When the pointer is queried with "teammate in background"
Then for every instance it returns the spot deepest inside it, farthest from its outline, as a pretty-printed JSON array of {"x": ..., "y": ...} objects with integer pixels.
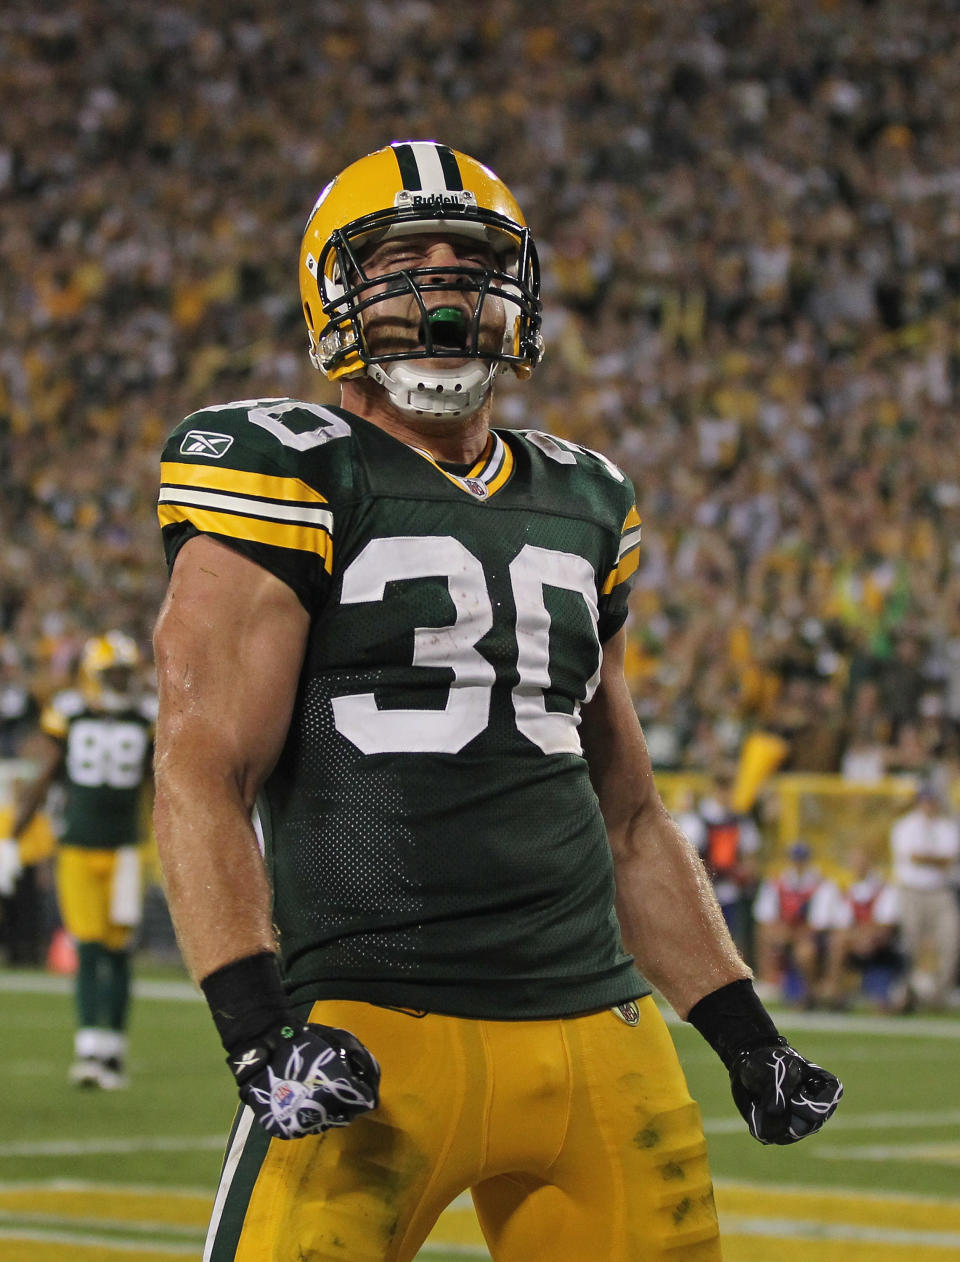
[
  {"x": 98, "y": 739},
  {"x": 793, "y": 911},
  {"x": 401, "y": 633},
  {"x": 925, "y": 847}
]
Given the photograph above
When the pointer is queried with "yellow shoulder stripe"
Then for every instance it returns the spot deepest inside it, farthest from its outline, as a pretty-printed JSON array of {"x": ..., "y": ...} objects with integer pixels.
[
  {"x": 628, "y": 557},
  {"x": 221, "y": 478},
  {"x": 623, "y": 571},
  {"x": 305, "y": 538}
]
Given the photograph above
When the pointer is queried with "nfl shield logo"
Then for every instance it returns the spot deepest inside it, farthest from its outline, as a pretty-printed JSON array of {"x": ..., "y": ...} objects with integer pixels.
[
  {"x": 283, "y": 1095},
  {"x": 628, "y": 1012},
  {"x": 476, "y": 487}
]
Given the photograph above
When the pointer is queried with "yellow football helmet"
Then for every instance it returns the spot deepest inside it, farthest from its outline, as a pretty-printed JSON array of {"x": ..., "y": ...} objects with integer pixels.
[
  {"x": 108, "y": 670},
  {"x": 419, "y": 187}
]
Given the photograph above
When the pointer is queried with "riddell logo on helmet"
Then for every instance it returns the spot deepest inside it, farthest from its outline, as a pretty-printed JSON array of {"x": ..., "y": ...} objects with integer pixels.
[{"x": 438, "y": 199}]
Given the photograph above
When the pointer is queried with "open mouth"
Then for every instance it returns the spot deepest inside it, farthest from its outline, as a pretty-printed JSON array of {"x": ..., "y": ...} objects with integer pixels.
[{"x": 447, "y": 329}]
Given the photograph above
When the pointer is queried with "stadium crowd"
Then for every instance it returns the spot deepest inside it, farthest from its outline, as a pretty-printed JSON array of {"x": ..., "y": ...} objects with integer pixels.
[{"x": 749, "y": 219}]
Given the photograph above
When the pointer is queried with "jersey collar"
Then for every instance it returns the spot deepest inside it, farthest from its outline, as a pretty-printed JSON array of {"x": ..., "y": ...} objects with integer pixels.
[{"x": 491, "y": 471}]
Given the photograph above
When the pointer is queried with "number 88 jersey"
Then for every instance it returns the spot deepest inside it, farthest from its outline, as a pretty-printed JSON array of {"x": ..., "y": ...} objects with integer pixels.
[
  {"x": 431, "y": 832},
  {"x": 106, "y": 764}
]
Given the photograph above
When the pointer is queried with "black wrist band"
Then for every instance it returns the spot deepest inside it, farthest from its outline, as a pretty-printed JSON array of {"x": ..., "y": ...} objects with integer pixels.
[
  {"x": 246, "y": 999},
  {"x": 733, "y": 1020}
]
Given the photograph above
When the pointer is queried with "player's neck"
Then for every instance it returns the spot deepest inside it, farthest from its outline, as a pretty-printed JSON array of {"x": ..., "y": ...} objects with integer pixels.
[{"x": 459, "y": 441}]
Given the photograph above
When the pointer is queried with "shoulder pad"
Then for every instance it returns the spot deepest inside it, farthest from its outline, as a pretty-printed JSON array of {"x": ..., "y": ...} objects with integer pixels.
[
  {"x": 69, "y": 703},
  {"x": 272, "y": 427},
  {"x": 565, "y": 452},
  {"x": 60, "y": 710}
]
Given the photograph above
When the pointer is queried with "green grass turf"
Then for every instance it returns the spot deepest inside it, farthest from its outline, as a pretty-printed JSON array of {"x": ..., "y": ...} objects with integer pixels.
[
  {"x": 902, "y": 1093},
  {"x": 179, "y": 1087}
]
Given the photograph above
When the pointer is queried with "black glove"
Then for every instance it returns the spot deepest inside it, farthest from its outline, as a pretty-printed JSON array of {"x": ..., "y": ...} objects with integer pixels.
[
  {"x": 298, "y": 1079},
  {"x": 782, "y": 1096}
]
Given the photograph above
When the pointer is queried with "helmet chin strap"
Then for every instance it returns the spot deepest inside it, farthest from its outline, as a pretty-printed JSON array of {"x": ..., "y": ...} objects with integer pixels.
[{"x": 436, "y": 392}]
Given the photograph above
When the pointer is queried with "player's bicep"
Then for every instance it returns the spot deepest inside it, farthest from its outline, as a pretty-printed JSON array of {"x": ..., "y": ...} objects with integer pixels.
[
  {"x": 614, "y": 747},
  {"x": 229, "y": 645}
]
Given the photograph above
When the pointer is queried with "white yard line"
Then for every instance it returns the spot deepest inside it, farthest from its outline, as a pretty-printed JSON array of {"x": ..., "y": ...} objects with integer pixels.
[
  {"x": 93, "y": 1185},
  {"x": 805, "y": 1229},
  {"x": 939, "y": 1153},
  {"x": 906, "y": 1120},
  {"x": 94, "y": 1147},
  {"x": 25, "y": 982},
  {"x": 105, "y": 1244},
  {"x": 78, "y": 1222}
]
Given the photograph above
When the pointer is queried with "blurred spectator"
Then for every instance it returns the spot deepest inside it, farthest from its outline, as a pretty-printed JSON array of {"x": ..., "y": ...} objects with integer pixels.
[
  {"x": 865, "y": 758},
  {"x": 729, "y": 844},
  {"x": 863, "y": 954},
  {"x": 925, "y": 847},
  {"x": 903, "y": 682},
  {"x": 18, "y": 708},
  {"x": 793, "y": 911}
]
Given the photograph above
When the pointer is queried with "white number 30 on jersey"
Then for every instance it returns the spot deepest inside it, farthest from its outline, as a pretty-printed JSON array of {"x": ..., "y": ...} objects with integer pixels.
[{"x": 467, "y": 712}]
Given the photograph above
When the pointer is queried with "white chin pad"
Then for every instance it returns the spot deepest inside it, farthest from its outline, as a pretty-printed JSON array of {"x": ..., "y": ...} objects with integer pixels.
[{"x": 442, "y": 393}]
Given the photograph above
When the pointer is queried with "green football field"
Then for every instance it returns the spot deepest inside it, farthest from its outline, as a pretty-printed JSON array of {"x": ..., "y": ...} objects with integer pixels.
[{"x": 129, "y": 1176}]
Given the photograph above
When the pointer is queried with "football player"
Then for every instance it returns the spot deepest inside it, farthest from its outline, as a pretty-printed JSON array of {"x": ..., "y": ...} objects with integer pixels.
[
  {"x": 399, "y": 632},
  {"x": 97, "y": 740}
]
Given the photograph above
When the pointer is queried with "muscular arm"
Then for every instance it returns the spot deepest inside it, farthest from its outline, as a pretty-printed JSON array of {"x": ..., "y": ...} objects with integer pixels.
[
  {"x": 668, "y": 913},
  {"x": 229, "y": 645}
]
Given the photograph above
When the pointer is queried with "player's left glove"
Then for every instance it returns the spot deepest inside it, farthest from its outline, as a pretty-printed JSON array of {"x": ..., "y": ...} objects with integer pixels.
[{"x": 782, "y": 1096}]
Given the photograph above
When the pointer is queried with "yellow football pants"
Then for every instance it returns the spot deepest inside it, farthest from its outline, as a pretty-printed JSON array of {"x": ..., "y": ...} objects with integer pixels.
[
  {"x": 86, "y": 894},
  {"x": 577, "y": 1137}
]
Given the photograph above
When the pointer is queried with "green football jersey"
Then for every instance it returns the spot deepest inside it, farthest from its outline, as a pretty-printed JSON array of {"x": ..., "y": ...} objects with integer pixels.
[
  {"x": 106, "y": 764},
  {"x": 430, "y": 830}
]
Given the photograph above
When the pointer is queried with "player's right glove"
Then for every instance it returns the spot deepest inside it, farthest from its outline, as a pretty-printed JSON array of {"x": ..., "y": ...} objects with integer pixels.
[
  {"x": 298, "y": 1079},
  {"x": 10, "y": 865},
  {"x": 782, "y": 1096}
]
